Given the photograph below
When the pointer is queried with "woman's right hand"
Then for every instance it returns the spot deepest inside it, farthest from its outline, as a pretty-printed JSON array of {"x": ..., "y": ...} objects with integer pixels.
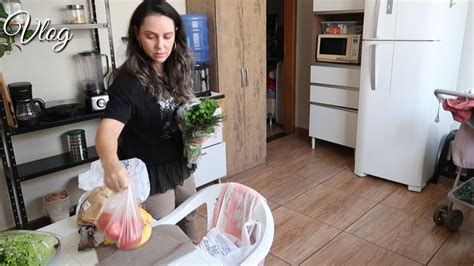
[{"x": 115, "y": 176}]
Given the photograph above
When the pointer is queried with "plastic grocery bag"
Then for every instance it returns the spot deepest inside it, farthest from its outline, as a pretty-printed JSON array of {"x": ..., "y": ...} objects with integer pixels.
[
  {"x": 137, "y": 173},
  {"x": 120, "y": 221},
  {"x": 222, "y": 246},
  {"x": 23, "y": 247},
  {"x": 233, "y": 221}
]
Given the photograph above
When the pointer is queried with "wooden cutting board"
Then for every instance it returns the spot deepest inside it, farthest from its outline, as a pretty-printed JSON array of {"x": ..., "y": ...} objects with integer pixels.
[{"x": 8, "y": 103}]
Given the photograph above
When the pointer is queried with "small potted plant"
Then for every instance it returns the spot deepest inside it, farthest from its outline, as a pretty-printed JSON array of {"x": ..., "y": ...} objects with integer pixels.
[{"x": 7, "y": 42}]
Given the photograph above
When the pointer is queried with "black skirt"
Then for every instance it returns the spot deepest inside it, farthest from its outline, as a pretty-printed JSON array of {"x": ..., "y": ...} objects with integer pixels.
[{"x": 164, "y": 177}]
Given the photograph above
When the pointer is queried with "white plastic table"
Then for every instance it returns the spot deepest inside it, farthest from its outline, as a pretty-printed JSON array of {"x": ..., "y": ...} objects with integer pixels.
[{"x": 67, "y": 231}]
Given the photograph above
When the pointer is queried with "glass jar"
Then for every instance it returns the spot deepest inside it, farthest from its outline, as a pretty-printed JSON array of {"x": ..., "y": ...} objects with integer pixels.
[
  {"x": 75, "y": 14},
  {"x": 12, "y": 6}
]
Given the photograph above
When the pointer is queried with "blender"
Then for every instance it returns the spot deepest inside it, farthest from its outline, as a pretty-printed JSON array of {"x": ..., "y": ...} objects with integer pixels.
[{"x": 95, "y": 93}]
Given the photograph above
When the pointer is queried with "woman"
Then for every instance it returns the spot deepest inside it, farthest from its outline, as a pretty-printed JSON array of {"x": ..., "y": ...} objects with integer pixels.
[{"x": 139, "y": 120}]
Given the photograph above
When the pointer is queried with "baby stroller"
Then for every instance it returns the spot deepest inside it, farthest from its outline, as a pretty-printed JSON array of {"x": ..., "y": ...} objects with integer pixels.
[{"x": 462, "y": 156}]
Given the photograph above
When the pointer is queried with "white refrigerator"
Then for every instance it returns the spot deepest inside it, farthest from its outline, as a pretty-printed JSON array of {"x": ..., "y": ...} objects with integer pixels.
[{"x": 403, "y": 61}]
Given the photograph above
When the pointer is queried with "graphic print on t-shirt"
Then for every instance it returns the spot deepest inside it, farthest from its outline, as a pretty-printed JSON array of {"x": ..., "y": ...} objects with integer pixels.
[{"x": 168, "y": 109}]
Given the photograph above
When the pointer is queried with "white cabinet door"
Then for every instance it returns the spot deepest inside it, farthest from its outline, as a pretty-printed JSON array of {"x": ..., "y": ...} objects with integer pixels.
[
  {"x": 347, "y": 76},
  {"x": 338, "y": 5},
  {"x": 343, "y": 97},
  {"x": 403, "y": 19},
  {"x": 395, "y": 99},
  {"x": 337, "y": 125},
  {"x": 212, "y": 164}
]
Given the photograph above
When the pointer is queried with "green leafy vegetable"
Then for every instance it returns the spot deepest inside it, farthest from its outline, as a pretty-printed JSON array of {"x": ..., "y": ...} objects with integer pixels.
[
  {"x": 197, "y": 121},
  {"x": 24, "y": 247}
]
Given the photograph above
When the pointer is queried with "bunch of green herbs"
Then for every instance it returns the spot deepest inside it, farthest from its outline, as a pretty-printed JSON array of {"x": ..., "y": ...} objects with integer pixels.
[
  {"x": 23, "y": 247},
  {"x": 197, "y": 120}
]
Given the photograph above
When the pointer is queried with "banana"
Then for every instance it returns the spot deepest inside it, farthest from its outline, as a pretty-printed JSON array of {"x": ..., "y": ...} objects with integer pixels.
[
  {"x": 146, "y": 234},
  {"x": 108, "y": 242},
  {"x": 146, "y": 217}
]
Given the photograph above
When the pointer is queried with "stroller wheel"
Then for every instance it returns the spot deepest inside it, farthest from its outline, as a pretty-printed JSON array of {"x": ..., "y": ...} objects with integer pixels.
[
  {"x": 439, "y": 214},
  {"x": 453, "y": 220}
]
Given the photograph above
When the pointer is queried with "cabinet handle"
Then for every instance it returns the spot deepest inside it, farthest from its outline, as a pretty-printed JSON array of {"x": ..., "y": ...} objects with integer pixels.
[
  {"x": 204, "y": 153},
  {"x": 246, "y": 77},
  {"x": 373, "y": 79},
  {"x": 242, "y": 78}
]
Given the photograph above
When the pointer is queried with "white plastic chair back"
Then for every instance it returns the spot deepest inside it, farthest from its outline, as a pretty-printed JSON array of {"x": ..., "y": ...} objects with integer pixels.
[{"x": 209, "y": 196}]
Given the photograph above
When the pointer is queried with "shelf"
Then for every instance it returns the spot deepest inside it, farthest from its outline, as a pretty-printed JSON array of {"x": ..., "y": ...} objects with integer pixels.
[
  {"x": 33, "y": 169},
  {"x": 44, "y": 125}
]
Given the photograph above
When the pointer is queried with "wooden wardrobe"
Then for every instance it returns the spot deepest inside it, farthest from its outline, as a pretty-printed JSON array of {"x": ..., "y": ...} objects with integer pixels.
[{"x": 237, "y": 42}]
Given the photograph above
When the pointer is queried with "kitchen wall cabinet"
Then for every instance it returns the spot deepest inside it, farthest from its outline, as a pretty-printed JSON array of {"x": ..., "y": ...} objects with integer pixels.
[
  {"x": 237, "y": 40},
  {"x": 338, "y": 6}
]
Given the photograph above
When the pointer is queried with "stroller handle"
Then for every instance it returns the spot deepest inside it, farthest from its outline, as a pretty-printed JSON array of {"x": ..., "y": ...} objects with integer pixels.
[{"x": 439, "y": 92}]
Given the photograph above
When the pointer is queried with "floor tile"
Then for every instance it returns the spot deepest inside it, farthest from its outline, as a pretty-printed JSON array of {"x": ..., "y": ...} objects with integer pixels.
[
  {"x": 331, "y": 206},
  {"x": 269, "y": 179},
  {"x": 318, "y": 169},
  {"x": 422, "y": 204},
  {"x": 285, "y": 192},
  {"x": 255, "y": 171},
  {"x": 402, "y": 233},
  {"x": 468, "y": 220},
  {"x": 202, "y": 226},
  {"x": 368, "y": 187},
  {"x": 347, "y": 249},
  {"x": 298, "y": 236},
  {"x": 274, "y": 261},
  {"x": 202, "y": 211},
  {"x": 458, "y": 250},
  {"x": 272, "y": 205}
]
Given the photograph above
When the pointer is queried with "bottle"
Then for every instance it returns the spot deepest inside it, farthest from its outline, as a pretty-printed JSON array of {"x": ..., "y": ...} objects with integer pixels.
[
  {"x": 12, "y": 6},
  {"x": 75, "y": 14}
]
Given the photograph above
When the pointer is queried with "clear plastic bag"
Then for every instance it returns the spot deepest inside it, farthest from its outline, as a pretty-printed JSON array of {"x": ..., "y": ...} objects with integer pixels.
[
  {"x": 136, "y": 170},
  {"x": 120, "y": 221},
  {"x": 23, "y": 247}
]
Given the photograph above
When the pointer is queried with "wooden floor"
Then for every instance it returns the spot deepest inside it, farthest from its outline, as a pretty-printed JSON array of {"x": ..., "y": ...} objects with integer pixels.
[{"x": 324, "y": 214}]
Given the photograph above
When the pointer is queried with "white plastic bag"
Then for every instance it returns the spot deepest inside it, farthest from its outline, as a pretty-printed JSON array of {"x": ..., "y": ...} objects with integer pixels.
[
  {"x": 120, "y": 220},
  {"x": 221, "y": 246},
  {"x": 233, "y": 219},
  {"x": 137, "y": 173},
  {"x": 225, "y": 247}
]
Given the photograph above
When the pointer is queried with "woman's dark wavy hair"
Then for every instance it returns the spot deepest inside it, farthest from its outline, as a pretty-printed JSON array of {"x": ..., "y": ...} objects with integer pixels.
[{"x": 177, "y": 68}]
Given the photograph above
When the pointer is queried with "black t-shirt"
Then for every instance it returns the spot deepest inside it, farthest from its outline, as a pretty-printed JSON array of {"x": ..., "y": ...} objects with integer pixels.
[{"x": 150, "y": 132}]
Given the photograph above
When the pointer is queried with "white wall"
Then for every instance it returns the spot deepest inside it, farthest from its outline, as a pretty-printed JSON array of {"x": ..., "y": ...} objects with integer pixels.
[
  {"x": 56, "y": 76},
  {"x": 466, "y": 70},
  {"x": 303, "y": 62}
]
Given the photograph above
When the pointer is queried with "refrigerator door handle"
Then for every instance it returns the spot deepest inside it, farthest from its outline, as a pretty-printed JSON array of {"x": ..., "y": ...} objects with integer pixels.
[
  {"x": 378, "y": 10},
  {"x": 373, "y": 80}
]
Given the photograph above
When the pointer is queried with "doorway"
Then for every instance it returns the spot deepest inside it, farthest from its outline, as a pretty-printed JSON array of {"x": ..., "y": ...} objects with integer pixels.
[{"x": 281, "y": 35}]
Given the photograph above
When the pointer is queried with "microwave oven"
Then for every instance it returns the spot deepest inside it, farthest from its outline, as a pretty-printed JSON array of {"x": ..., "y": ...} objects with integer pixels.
[{"x": 339, "y": 48}]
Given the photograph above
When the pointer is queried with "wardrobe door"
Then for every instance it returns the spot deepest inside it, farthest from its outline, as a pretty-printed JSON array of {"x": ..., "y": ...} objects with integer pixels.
[
  {"x": 254, "y": 38},
  {"x": 229, "y": 41}
]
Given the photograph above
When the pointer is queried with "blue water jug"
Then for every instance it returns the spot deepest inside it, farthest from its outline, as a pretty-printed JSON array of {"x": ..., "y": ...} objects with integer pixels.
[{"x": 195, "y": 26}]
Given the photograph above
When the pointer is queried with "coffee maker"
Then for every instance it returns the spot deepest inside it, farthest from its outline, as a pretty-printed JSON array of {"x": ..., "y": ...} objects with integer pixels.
[
  {"x": 96, "y": 97},
  {"x": 27, "y": 109},
  {"x": 200, "y": 77}
]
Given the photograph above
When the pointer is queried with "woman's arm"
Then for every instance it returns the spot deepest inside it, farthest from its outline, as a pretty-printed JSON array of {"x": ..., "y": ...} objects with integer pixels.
[{"x": 106, "y": 142}]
